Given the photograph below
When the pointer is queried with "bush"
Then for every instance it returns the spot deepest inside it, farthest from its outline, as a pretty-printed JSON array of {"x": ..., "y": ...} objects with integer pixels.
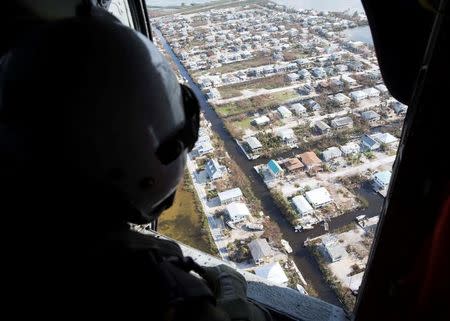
[{"x": 285, "y": 206}]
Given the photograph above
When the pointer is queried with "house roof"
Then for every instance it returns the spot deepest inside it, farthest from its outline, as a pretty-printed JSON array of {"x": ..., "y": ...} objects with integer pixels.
[
  {"x": 229, "y": 194},
  {"x": 384, "y": 138},
  {"x": 331, "y": 152},
  {"x": 298, "y": 108},
  {"x": 369, "y": 141},
  {"x": 237, "y": 209},
  {"x": 350, "y": 148},
  {"x": 213, "y": 168},
  {"x": 286, "y": 133},
  {"x": 293, "y": 164},
  {"x": 383, "y": 177},
  {"x": 253, "y": 142},
  {"x": 284, "y": 111},
  {"x": 309, "y": 158},
  {"x": 318, "y": 196},
  {"x": 274, "y": 167},
  {"x": 261, "y": 120},
  {"x": 272, "y": 272},
  {"x": 342, "y": 121},
  {"x": 259, "y": 249},
  {"x": 369, "y": 115},
  {"x": 341, "y": 98},
  {"x": 321, "y": 125},
  {"x": 302, "y": 205}
]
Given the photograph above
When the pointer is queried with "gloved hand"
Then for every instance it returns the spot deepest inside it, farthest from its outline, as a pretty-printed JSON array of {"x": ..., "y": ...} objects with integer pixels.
[{"x": 230, "y": 289}]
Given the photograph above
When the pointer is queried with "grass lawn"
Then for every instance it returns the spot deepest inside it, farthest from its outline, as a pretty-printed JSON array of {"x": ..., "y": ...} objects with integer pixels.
[
  {"x": 258, "y": 60},
  {"x": 255, "y": 103},
  {"x": 270, "y": 82},
  {"x": 184, "y": 222},
  {"x": 245, "y": 123}
]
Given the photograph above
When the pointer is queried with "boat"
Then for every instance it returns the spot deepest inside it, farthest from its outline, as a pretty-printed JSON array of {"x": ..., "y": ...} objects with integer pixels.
[
  {"x": 254, "y": 227},
  {"x": 286, "y": 246},
  {"x": 231, "y": 225},
  {"x": 301, "y": 289}
]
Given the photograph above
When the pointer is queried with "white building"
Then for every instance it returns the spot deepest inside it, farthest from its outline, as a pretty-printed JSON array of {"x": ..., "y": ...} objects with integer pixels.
[
  {"x": 331, "y": 153},
  {"x": 350, "y": 148},
  {"x": 203, "y": 148},
  {"x": 341, "y": 99},
  {"x": 370, "y": 116},
  {"x": 287, "y": 135},
  {"x": 302, "y": 206},
  {"x": 342, "y": 122},
  {"x": 371, "y": 92},
  {"x": 261, "y": 121},
  {"x": 230, "y": 196},
  {"x": 384, "y": 138},
  {"x": 272, "y": 272},
  {"x": 358, "y": 95},
  {"x": 284, "y": 112},
  {"x": 318, "y": 197},
  {"x": 237, "y": 212},
  {"x": 332, "y": 248},
  {"x": 260, "y": 250},
  {"x": 254, "y": 144},
  {"x": 299, "y": 109},
  {"x": 381, "y": 180}
]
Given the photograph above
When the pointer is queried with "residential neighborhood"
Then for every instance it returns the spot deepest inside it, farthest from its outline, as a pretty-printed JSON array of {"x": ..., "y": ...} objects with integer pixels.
[{"x": 315, "y": 127}]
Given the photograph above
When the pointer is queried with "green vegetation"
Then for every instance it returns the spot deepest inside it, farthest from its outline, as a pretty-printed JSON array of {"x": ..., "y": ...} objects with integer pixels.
[
  {"x": 345, "y": 295},
  {"x": 260, "y": 59},
  {"x": 186, "y": 222},
  {"x": 261, "y": 103},
  {"x": 238, "y": 250},
  {"x": 285, "y": 207},
  {"x": 270, "y": 82},
  {"x": 211, "y": 194}
]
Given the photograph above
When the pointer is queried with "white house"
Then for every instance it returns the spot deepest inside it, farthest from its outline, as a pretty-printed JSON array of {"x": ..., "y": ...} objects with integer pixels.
[
  {"x": 287, "y": 135},
  {"x": 358, "y": 95},
  {"x": 284, "y": 112},
  {"x": 332, "y": 248},
  {"x": 371, "y": 92},
  {"x": 341, "y": 99},
  {"x": 399, "y": 108},
  {"x": 214, "y": 170},
  {"x": 381, "y": 180},
  {"x": 230, "y": 196},
  {"x": 321, "y": 127},
  {"x": 260, "y": 250},
  {"x": 203, "y": 148},
  {"x": 318, "y": 197},
  {"x": 299, "y": 109},
  {"x": 370, "y": 116},
  {"x": 342, "y": 122},
  {"x": 350, "y": 148},
  {"x": 272, "y": 272},
  {"x": 254, "y": 144},
  {"x": 261, "y": 121},
  {"x": 384, "y": 138},
  {"x": 302, "y": 206},
  {"x": 237, "y": 212},
  {"x": 331, "y": 153},
  {"x": 292, "y": 77}
]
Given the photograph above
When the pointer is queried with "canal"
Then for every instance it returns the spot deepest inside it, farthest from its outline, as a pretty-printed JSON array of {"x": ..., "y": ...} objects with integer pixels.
[{"x": 302, "y": 257}]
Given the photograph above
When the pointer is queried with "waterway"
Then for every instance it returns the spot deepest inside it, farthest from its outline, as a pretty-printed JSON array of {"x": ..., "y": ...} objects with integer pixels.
[{"x": 303, "y": 259}]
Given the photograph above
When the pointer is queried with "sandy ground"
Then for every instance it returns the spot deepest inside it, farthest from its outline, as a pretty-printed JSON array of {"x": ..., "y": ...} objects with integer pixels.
[{"x": 358, "y": 255}]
